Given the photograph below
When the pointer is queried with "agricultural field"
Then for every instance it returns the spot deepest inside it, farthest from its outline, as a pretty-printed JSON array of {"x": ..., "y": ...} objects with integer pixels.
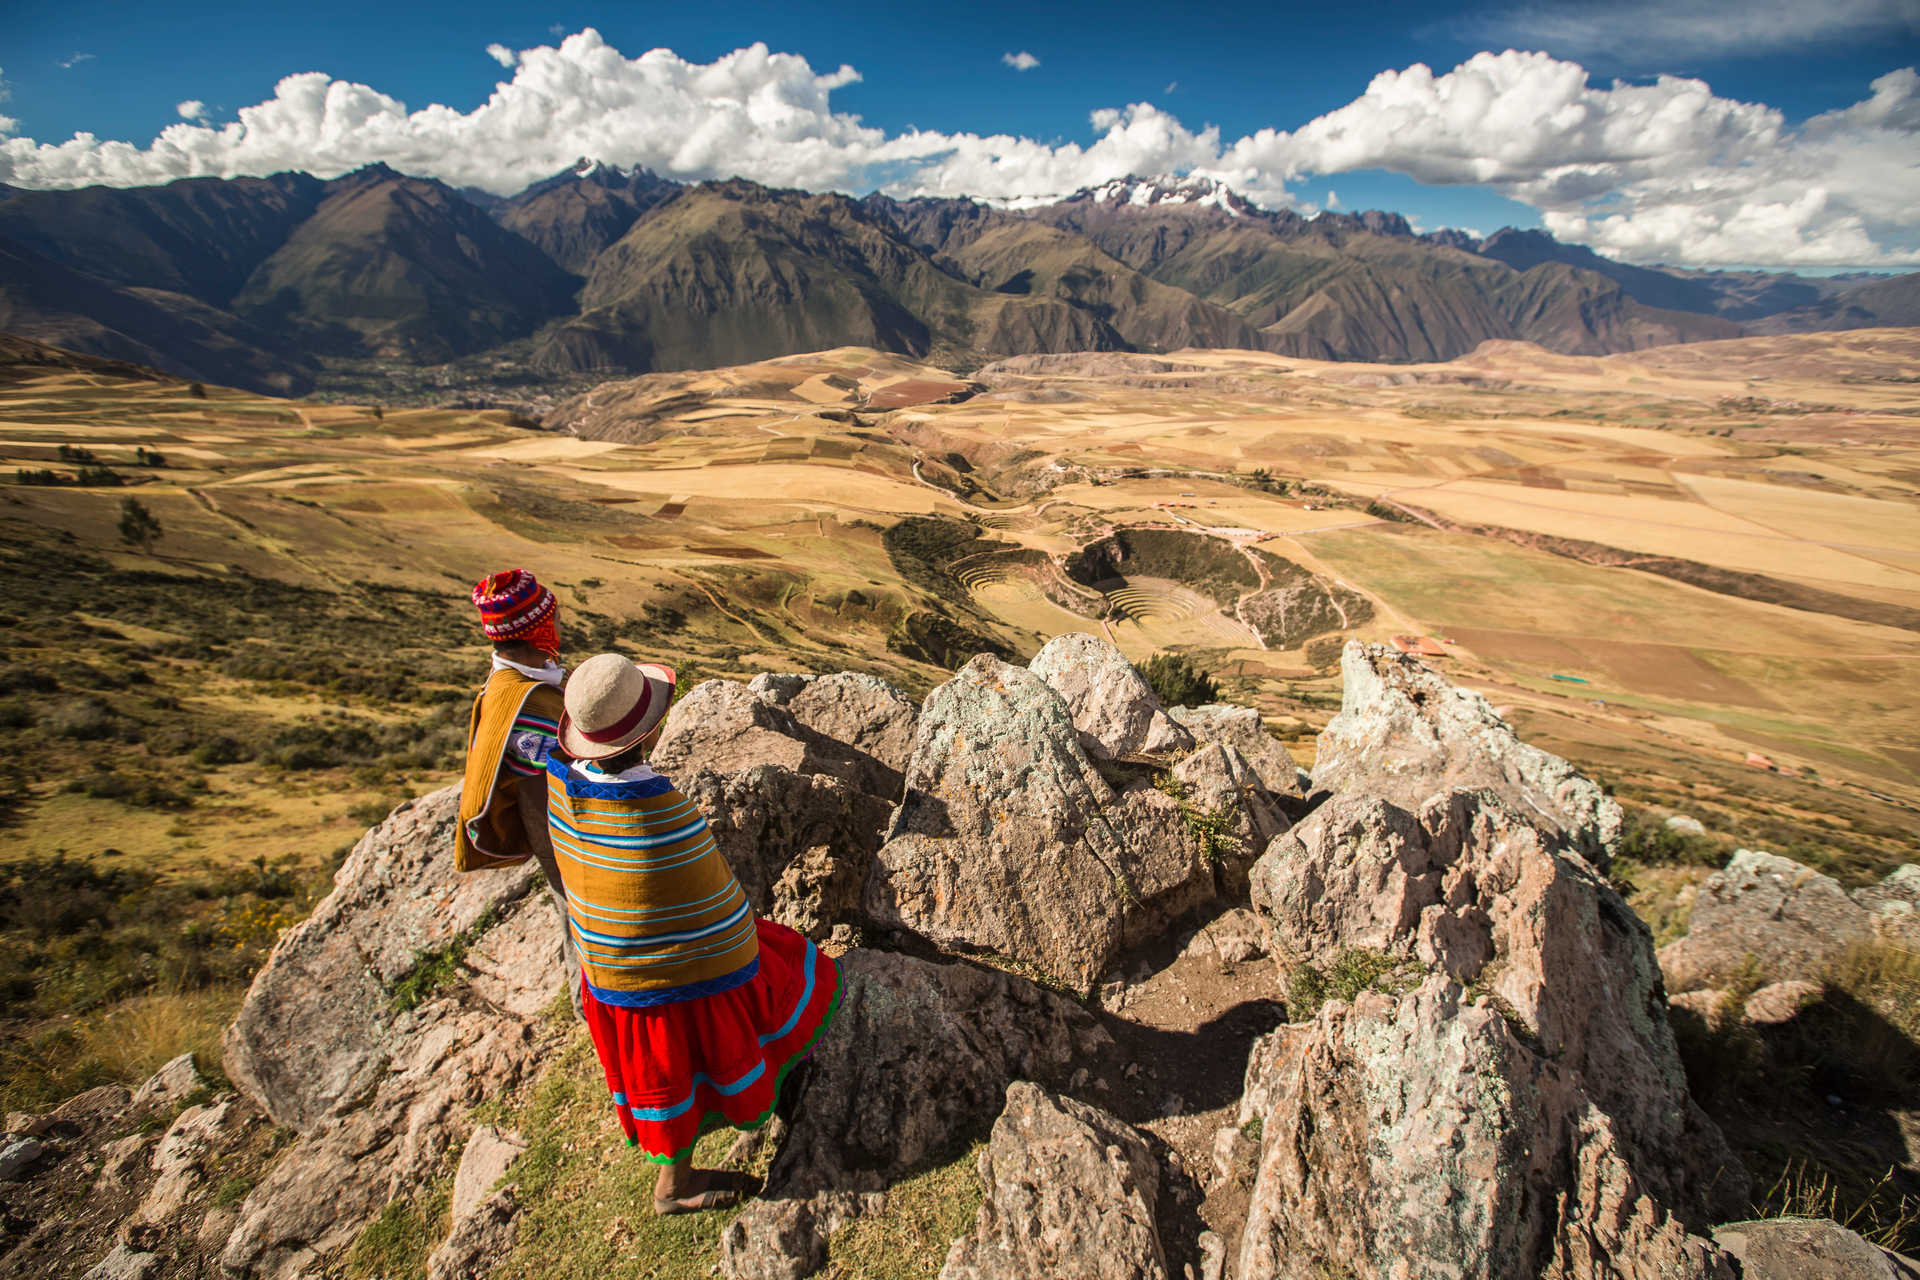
[{"x": 1693, "y": 570}]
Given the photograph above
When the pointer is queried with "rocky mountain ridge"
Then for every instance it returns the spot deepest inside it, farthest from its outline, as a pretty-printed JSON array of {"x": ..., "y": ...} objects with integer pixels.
[
  {"x": 1503, "y": 1097},
  {"x": 268, "y": 282}
]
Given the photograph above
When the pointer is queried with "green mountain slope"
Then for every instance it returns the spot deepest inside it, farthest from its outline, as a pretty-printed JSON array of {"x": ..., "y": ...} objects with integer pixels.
[
  {"x": 731, "y": 272},
  {"x": 396, "y": 266}
]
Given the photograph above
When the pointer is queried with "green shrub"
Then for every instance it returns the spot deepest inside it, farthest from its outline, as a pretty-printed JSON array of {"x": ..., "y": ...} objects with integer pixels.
[{"x": 1177, "y": 682}]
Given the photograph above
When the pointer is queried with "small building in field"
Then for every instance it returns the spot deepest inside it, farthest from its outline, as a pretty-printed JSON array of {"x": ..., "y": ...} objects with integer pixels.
[{"x": 1421, "y": 646}]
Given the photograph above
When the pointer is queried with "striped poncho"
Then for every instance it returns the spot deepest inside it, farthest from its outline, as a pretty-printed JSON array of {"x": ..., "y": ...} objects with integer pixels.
[{"x": 653, "y": 906}]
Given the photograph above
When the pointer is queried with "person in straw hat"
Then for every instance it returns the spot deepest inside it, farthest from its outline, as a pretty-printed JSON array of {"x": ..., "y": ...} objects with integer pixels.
[
  {"x": 697, "y": 1008},
  {"x": 516, "y": 715}
]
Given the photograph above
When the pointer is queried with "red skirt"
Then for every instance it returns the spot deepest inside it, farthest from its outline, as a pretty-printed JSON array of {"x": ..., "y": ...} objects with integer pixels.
[{"x": 677, "y": 1070}]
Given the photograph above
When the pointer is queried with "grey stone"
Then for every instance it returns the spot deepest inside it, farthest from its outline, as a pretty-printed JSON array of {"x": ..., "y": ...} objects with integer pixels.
[
  {"x": 123, "y": 1262},
  {"x": 121, "y": 1163},
  {"x": 778, "y": 687},
  {"x": 180, "y": 1158},
  {"x": 871, "y": 718},
  {"x": 380, "y": 1096},
  {"x": 478, "y": 1240},
  {"x": 1685, "y": 825},
  {"x": 170, "y": 1084},
  {"x": 1400, "y": 1134},
  {"x": 1404, "y": 734},
  {"x": 1070, "y": 1194},
  {"x": 489, "y": 1153},
  {"x": 766, "y": 818},
  {"x": 1401, "y": 1137},
  {"x": 1241, "y": 729},
  {"x": 1791, "y": 920},
  {"x": 1895, "y": 905},
  {"x": 18, "y": 1154},
  {"x": 1008, "y": 840},
  {"x": 1809, "y": 1249},
  {"x": 1117, "y": 714}
]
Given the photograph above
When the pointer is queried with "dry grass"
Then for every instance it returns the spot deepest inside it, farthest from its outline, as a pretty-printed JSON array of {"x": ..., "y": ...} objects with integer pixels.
[
  {"x": 925, "y": 1214},
  {"x": 1877, "y": 1208},
  {"x": 137, "y": 1037}
]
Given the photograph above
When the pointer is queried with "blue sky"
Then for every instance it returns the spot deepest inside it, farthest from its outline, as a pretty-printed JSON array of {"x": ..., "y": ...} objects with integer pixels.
[{"x": 119, "y": 73}]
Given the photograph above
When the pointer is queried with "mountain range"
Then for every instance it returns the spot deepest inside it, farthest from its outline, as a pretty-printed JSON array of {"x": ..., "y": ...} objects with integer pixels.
[{"x": 269, "y": 283}]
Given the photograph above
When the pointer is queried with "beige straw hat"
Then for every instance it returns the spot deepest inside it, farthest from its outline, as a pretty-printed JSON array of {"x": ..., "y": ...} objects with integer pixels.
[{"x": 612, "y": 703}]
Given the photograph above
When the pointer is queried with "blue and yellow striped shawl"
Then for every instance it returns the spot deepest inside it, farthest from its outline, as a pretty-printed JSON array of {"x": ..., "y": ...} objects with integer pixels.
[{"x": 653, "y": 906}]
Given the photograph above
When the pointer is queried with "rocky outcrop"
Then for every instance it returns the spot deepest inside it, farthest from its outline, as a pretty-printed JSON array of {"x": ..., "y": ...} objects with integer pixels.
[
  {"x": 1071, "y": 1194},
  {"x": 1008, "y": 839},
  {"x": 724, "y": 726},
  {"x": 318, "y": 1028},
  {"x": 1115, "y": 711},
  {"x": 1418, "y": 1135},
  {"x": 1404, "y": 733},
  {"x": 1895, "y": 903},
  {"x": 378, "y": 1090},
  {"x": 917, "y": 1057},
  {"x": 1783, "y": 919},
  {"x": 1508, "y": 1099}
]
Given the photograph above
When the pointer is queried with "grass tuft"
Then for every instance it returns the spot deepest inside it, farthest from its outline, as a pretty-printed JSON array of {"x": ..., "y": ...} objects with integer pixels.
[
  {"x": 432, "y": 970},
  {"x": 1351, "y": 971}
]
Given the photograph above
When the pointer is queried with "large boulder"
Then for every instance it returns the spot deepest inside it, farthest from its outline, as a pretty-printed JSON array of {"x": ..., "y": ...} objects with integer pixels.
[
  {"x": 1809, "y": 1249},
  {"x": 1007, "y": 839},
  {"x": 724, "y": 726},
  {"x": 1241, "y": 729},
  {"x": 1404, "y": 733},
  {"x": 1470, "y": 889},
  {"x": 318, "y": 1027},
  {"x": 1071, "y": 1194},
  {"x": 1895, "y": 904},
  {"x": 918, "y": 1057},
  {"x": 1766, "y": 911},
  {"x": 1419, "y": 1135},
  {"x": 853, "y": 727},
  {"x": 379, "y": 1091},
  {"x": 1117, "y": 714}
]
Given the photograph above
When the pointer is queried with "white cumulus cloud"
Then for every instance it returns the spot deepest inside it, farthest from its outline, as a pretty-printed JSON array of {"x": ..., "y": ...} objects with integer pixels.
[
  {"x": 1661, "y": 172},
  {"x": 1666, "y": 171},
  {"x": 192, "y": 109},
  {"x": 502, "y": 55},
  {"x": 1021, "y": 61}
]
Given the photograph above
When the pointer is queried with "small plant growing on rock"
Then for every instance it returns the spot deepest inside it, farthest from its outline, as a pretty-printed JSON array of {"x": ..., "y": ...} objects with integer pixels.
[
  {"x": 1211, "y": 829},
  {"x": 1351, "y": 971}
]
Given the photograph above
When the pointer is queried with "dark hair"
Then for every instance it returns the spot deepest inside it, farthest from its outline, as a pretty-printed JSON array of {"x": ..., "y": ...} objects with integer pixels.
[{"x": 632, "y": 756}]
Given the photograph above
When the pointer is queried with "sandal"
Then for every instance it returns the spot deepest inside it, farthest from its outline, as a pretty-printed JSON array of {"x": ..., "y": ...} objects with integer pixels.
[{"x": 711, "y": 1198}]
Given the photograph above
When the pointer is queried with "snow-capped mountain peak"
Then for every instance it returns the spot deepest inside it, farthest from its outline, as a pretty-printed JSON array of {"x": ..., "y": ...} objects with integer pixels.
[{"x": 1193, "y": 190}]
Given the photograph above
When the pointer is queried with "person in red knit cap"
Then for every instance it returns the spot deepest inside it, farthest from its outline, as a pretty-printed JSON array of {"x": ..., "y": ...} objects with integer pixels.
[
  {"x": 697, "y": 1008},
  {"x": 503, "y": 797}
]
